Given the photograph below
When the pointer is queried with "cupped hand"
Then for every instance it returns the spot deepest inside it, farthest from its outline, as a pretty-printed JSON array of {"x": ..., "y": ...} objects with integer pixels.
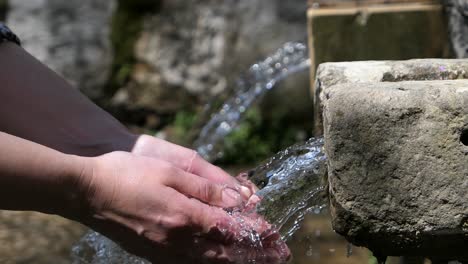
[
  {"x": 185, "y": 159},
  {"x": 156, "y": 210}
]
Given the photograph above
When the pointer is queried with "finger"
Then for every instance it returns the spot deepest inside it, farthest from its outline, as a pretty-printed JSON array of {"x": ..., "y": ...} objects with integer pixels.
[
  {"x": 209, "y": 171},
  {"x": 215, "y": 243},
  {"x": 196, "y": 213},
  {"x": 199, "y": 166},
  {"x": 204, "y": 190},
  {"x": 190, "y": 161},
  {"x": 211, "y": 252},
  {"x": 243, "y": 178},
  {"x": 204, "y": 169},
  {"x": 181, "y": 157}
]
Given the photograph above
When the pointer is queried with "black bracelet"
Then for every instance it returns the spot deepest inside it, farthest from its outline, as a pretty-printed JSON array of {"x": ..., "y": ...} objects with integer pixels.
[{"x": 7, "y": 35}]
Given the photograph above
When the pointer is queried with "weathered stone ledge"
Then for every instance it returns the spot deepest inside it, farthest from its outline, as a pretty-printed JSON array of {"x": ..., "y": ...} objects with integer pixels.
[
  {"x": 398, "y": 157},
  {"x": 329, "y": 74}
]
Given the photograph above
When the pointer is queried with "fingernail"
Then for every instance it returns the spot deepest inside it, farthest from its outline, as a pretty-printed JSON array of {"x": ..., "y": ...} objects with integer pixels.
[
  {"x": 246, "y": 192},
  {"x": 231, "y": 197}
]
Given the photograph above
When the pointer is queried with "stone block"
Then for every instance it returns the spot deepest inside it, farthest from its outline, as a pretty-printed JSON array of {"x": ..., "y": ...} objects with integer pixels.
[
  {"x": 329, "y": 74},
  {"x": 347, "y": 30},
  {"x": 398, "y": 165}
]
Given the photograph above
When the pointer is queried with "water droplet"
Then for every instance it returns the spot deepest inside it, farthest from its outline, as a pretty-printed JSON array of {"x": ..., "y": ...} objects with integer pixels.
[
  {"x": 317, "y": 210},
  {"x": 318, "y": 232}
]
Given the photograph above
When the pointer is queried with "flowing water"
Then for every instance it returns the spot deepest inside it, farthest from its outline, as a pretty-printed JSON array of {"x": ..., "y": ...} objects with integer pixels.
[
  {"x": 292, "y": 184},
  {"x": 259, "y": 79},
  {"x": 292, "y": 181}
]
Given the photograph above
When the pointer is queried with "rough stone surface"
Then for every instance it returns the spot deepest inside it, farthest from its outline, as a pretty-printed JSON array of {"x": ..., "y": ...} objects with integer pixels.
[
  {"x": 196, "y": 49},
  {"x": 398, "y": 167},
  {"x": 71, "y": 37},
  {"x": 329, "y": 74}
]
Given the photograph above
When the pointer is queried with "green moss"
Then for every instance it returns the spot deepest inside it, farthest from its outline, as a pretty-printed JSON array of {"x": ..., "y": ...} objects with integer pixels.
[
  {"x": 258, "y": 138},
  {"x": 4, "y": 6},
  {"x": 372, "y": 260},
  {"x": 127, "y": 24},
  {"x": 183, "y": 123}
]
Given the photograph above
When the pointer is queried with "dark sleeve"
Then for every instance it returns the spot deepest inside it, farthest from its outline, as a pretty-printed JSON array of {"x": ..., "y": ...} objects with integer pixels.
[{"x": 38, "y": 105}]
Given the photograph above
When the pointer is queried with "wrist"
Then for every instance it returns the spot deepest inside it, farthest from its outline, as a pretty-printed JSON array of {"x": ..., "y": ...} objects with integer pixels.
[{"x": 75, "y": 188}]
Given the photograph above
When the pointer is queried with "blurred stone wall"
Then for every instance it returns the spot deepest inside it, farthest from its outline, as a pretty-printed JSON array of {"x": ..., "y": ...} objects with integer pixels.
[
  {"x": 139, "y": 62},
  {"x": 194, "y": 49},
  {"x": 186, "y": 51},
  {"x": 71, "y": 37}
]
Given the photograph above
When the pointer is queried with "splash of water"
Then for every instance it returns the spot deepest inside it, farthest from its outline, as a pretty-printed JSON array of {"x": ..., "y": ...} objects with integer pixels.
[
  {"x": 294, "y": 185},
  {"x": 94, "y": 248},
  {"x": 252, "y": 86},
  {"x": 292, "y": 179}
]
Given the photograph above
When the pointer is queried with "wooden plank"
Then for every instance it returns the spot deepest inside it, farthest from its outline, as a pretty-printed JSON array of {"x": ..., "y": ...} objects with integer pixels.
[
  {"x": 355, "y": 3},
  {"x": 368, "y": 10}
]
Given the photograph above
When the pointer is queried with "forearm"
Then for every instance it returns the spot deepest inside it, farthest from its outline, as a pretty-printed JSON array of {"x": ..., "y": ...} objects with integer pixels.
[
  {"x": 38, "y": 105},
  {"x": 37, "y": 178}
]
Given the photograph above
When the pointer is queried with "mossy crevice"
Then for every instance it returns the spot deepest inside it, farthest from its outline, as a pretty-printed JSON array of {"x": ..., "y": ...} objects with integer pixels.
[
  {"x": 4, "y": 7},
  {"x": 126, "y": 26},
  {"x": 259, "y": 137}
]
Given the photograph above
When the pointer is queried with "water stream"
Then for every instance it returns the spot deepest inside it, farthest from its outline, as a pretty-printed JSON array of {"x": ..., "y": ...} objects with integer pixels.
[
  {"x": 261, "y": 77},
  {"x": 292, "y": 182},
  {"x": 293, "y": 185}
]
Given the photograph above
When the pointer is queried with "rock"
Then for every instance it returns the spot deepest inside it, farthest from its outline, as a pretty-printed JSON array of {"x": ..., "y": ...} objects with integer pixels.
[
  {"x": 186, "y": 52},
  {"x": 192, "y": 50},
  {"x": 398, "y": 165},
  {"x": 71, "y": 37},
  {"x": 329, "y": 74},
  {"x": 457, "y": 11},
  {"x": 31, "y": 237}
]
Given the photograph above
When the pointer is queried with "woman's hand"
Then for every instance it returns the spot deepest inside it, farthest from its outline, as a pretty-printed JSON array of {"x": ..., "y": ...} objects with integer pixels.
[
  {"x": 155, "y": 209},
  {"x": 151, "y": 207},
  {"x": 185, "y": 159}
]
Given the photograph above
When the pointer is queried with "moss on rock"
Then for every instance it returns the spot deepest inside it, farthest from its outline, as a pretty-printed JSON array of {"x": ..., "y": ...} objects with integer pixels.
[
  {"x": 127, "y": 24},
  {"x": 3, "y": 9},
  {"x": 257, "y": 138}
]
